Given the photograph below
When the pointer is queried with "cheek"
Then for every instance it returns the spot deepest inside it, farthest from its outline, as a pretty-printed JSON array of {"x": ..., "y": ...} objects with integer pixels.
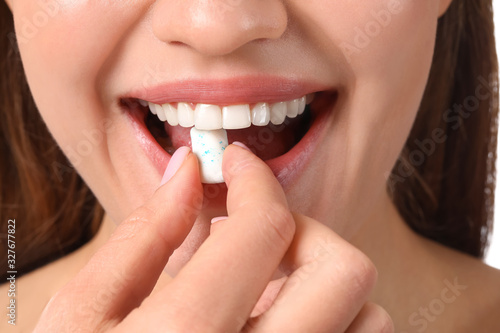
[
  {"x": 63, "y": 57},
  {"x": 388, "y": 51},
  {"x": 391, "y": 56},
  {"x": 387, "y": 45},
  {"x": 58, "y": 42},
  {"x": 55, "y": 57}
]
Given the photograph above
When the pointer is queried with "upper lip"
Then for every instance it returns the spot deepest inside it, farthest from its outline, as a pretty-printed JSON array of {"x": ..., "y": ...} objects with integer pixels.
[{"x": 236, "y": 90}]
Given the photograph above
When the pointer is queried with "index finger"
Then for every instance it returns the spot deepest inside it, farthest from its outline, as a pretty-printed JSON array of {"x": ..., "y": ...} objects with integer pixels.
[
  {"x": 332, "y": 279},
  {"x": 250, "y": 181},
  {"x": 224, "y": 279}
]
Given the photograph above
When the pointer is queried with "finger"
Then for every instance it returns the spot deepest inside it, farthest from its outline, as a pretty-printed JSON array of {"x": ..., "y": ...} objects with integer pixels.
[
  {"x": 124, "y": 271},
  {"x": 273, "y": 287},
  {"x": 330, "y": 283},
  {"x": 221, "y": 284},
  {"x": 240, "y": 169},
  {"x": 267, "y": 298},
  {"x": 372, "y": 318},
  {"x": 216, "y": 222}
]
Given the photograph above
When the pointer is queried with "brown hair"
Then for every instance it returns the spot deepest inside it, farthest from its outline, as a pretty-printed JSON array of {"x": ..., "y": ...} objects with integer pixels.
[
  {"x": 443, "y": 183},
  {"x": 54, "y": 211},
  {"x": 447, "y": 196}
]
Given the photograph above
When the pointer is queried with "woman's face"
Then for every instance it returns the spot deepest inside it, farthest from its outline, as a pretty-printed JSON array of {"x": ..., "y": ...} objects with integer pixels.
[{"x": 88, "y": 62}]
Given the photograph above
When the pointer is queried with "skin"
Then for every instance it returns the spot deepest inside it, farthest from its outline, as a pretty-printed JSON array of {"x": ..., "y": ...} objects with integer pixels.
[{"x": 339, "y": 200}]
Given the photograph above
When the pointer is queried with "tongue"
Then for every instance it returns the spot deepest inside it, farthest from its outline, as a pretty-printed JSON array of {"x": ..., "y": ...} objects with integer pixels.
[{"x": 266, "y": 142}]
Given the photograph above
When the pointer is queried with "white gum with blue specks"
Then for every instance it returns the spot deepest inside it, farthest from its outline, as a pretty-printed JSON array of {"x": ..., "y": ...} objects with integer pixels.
[{"x": 209, "y": 147}]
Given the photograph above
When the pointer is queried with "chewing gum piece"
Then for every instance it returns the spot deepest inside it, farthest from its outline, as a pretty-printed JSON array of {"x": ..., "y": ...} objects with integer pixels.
[{"x": 209, "y": 147}]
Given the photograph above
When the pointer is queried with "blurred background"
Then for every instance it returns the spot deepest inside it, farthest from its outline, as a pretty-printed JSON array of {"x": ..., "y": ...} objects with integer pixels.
[{"x": 493, "y": 255}]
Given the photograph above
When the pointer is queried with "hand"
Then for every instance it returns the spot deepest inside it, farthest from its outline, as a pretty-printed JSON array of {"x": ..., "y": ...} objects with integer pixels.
[{"x": 326, "y": 289}]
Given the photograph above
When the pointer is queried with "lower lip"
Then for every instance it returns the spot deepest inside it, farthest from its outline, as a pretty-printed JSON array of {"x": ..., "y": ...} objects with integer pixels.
[{"x": 286, "y": 167}]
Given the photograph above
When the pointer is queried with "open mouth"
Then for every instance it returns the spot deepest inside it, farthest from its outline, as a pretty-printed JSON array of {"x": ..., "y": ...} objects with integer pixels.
[
  {"x": 282, "y": 133},
  {"x": 269, "y": 130}
]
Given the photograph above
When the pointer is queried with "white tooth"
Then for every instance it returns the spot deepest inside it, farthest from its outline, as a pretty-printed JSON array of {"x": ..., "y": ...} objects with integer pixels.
[
  {"x": 292, "y": 108},
  {"x": 278, "y": 113},
  {"x": 171, "y": 114},
  {"x": 160, "y": 112},
  {"x": 302, "y": 104},
  {"x": 236, "y": 116},
  {"x": 152, "y": 107},
  {"x": 261, "y": 114},
  {"x": 207, "y": 117},
  {"x": 185, "y": 115},
  {"x": 143, "y": 102},
  {"x": 310, "y": 98}
]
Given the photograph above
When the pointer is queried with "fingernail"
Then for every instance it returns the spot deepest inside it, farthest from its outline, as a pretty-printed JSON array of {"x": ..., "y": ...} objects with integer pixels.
[
  {"x": 241, "y": 145},
  {"x": 175, "y": 163},
  {"x": 218, "y": 219}
]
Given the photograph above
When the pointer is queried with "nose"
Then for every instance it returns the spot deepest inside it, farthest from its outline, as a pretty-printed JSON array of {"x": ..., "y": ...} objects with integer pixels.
[{"x": 218, "y": 27}]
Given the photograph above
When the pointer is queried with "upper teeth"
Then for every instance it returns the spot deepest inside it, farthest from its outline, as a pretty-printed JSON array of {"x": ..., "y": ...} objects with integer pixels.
[{"x": 213, "y": 117}]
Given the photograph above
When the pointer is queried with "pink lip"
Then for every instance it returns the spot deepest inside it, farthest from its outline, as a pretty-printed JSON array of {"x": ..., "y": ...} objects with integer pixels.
[
  {"x": 243, "y": 90},
  {"x": 157, "y": 155},
  {"x": 287, "y": 167},
  {"x": 246, "y": 90}
]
